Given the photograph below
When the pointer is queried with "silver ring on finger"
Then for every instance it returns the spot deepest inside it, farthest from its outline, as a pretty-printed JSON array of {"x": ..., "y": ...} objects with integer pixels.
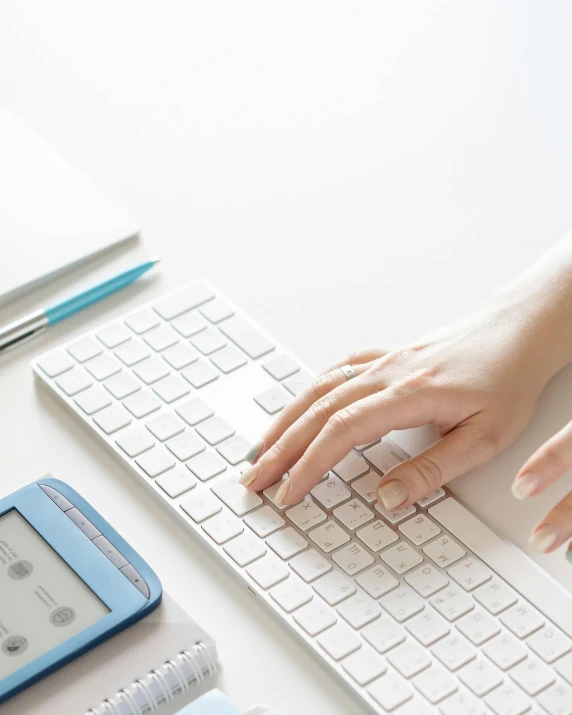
[{"x": 348, "y": 371}]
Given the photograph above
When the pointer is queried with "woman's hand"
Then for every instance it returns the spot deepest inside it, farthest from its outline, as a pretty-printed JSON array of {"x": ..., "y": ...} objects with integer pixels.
[{"x": 478, "y": 382}]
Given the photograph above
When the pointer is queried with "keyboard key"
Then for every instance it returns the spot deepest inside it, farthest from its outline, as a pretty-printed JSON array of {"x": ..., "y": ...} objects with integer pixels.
[
  {"x": 478, "y": 626},
  {"x": 359, "y": 610},
  {"x": 364, "y": 665},
  {"x": 419, "y": 529},
  {"x": 297, "y": 382},
  {"x": 557, "y": 700},
  {"x": 377, "y": 536},
  {"x": 270, "y": 494},
  {"x": 564, "y": 668},
  {"x": 246, "y": 336},
  {"x": 310, "y": 564},
  {"x": 216, "y": 310},
  {"x": 74, "y": 381},
  {"x": 427, "y": 627},
  {"x": 54, "y": 363},
  {"x": 470, "y": 573},
  {"x": 331, "y": 492},
  {"x": 170, "y": 388},
  {"x": 522, "y": 620},
  {"x": 135, "y": 442},
  {"x": 402, "y": 603},
  {"x": 264, "y": 521},
  {"x": 306, "y": 514},
  {"x": 142, "y": 321},
  {"x": 334, "y": 587},
  {"x": 353, "y": 465},
  {"x": 200, "y": 506},
  {"x": 188, "y": 324},
  {"x": 155, "y": 461},
  {"x": 409, "y": 659},
  {"x": 390, "y": 691},
  {"x": 236, "y": 497},
  {"x": 164, "y": 426},
  {"x": 92, "y": 400},
  {"x": 122, "y": 385},
  {"x": 431, "y": 497},
  {"x": 268, "y": 571},
  {"x": 426, "y": 580},
  {"x": 435, "y": 684},
  {"x": 151, "y": 370},
  {"x": 454, "y": 652},
  {"x": 452, "y": 603},
  {"x": 206, "y": 466},
  {"x": 222, "y": 527},
  {"x": 281, "y": 366},
  {"x": 550, "y": 644},
  {"x": 245, "y": 549},
  {"x": 273, "y": 400},
  {"x": 394, "y": 517},
  {"x": 234, "y": 450},
  {"x": 505, "y": 651},
  {"x": 314, "y": 618},
  {"x": 353, "y": 558},
  {"x": 339, "y": 641},
  {"x": 141, "y": 403},
  {"x": 353, "y": 514},
  {"x": 367, "y": 486},
  {"x": 208, "y": 340},
  {"x": 363, "y": 447},
  {"x": 459, "y": 704},
  {"x": 377, "y": 581},
  {"x": 180, "y": 355},
  {"x": 508, "y": 700},
  {"x": 131, "y": 352},
  {"x": 290, "y": 594},
  {"x": 84, "y": 349},
  {"x": 228, "y": 359},
  {"x": 102, "y": 367},
  {"x": 495, "y": 596},
  {"x": 215, "y": 430},
  {"x": 184, "y": 300},
  {"x": 194, "y": 411},
  {"x": 383, "y": 634},
  {"x": 444, "y": 551},
  {"x": 532, "y": 676},
  {"x": 286, "y": 543},
  {"x": 200, "y": 374},
  {"x": 385, "y": 455},
  {"x": 112, "y": 419},
  {"x": 401, "y": 557},
  {"x": 185, "y": 445},
  {"x": 480, "y": 676},
  {"x": 176, "y": 481},
  {"x": 113, "y": 335}
]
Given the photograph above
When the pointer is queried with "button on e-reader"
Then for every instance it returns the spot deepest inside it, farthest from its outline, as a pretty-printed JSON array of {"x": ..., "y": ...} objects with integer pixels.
[
  {"x": 136, "y": 579},
  {"x": 84, "y": 524},
  {"x": 106, "y": 547},
  {"x": 63, "y": 503}
]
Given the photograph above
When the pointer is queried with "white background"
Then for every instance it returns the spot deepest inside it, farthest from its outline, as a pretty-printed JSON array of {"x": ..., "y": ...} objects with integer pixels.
[{"x": 349, "y": 173}]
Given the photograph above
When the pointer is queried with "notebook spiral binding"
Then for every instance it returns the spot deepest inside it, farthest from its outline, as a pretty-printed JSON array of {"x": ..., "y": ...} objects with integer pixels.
[{"x": 160, "y": 686}]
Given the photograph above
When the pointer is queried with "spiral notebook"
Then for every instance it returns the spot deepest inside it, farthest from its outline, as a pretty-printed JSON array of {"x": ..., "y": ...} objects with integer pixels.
[{"x": 151, "y": 667}]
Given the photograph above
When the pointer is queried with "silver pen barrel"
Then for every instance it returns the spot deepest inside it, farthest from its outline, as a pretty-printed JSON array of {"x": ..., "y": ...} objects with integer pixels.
[{"x": 20, "y": 330}]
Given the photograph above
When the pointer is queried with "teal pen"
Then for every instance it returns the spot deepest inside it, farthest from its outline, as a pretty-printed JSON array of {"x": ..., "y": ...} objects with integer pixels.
[{"x": 31, "y": 325}]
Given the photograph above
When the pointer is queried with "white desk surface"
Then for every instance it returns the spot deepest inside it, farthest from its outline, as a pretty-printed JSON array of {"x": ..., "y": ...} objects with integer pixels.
[{"x": 350, "y": 173}]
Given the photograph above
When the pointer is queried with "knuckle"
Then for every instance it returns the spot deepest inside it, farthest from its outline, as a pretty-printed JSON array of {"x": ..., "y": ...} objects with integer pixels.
[
  {"x": 340, "y": 422},
  {"x": 322, "y": 385},
  {"x": 428, "y": 471},
  {"x": 323, "y": 408}
]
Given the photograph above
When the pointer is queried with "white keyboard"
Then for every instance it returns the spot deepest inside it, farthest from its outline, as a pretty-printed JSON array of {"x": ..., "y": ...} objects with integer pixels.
[{"x": 418, "y": 611}]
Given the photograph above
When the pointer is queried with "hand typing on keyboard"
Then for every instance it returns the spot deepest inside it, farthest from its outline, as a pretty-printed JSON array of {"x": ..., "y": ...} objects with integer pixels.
[{"x": 477, "y": 381}]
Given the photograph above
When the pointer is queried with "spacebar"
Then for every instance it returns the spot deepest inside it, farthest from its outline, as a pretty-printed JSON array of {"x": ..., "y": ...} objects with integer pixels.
[{"x": 508, "y": 561}]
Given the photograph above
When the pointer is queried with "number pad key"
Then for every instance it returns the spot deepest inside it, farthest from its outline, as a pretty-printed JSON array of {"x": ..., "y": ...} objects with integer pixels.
[
  {"x": 353, "y": 514},
  {"x": 419, "y": 529},
  {"x": 329, "y": 536},
  {"x": 401, "y": 557},
  {"x": 306, "y": 514},
  {"x": 334, "y": 587},
  {"x": 353, "y": 558},
  {"x": 444, "y": 551},
  {"x": 287, "y": 543},
  {"x": 310, "y": 565},
  {"x": 331, "y": 492}
]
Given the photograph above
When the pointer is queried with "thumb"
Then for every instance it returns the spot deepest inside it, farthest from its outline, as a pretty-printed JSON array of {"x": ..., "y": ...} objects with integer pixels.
[{"x": 460, "y": 450}]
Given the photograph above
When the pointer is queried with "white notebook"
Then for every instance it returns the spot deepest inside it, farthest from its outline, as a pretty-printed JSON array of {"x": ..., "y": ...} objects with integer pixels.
[{"x": 152, "y": 666}]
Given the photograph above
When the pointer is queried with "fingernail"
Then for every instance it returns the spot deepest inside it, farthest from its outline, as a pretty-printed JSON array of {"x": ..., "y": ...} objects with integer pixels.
[
  {"x": 282, "y": 492},
  {"x": 543, "y": 539},
  {"x": 392, "y": 494},
  {"x": 525, "y": 486},
  {"x": 254, "y": 452},
  {"x": 249, "y": 476}
]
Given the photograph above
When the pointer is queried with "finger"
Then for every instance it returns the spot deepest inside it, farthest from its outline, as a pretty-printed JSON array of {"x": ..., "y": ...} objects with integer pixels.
[
  {"x": 554, "y": 529},
  {"x": 294, "y": 442},
  {"x": 357, "y": 357},
  {"x": 546, "y": 465},
  {"x": 463, "y": 448},
  {"x": 359, "y": 423}
]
